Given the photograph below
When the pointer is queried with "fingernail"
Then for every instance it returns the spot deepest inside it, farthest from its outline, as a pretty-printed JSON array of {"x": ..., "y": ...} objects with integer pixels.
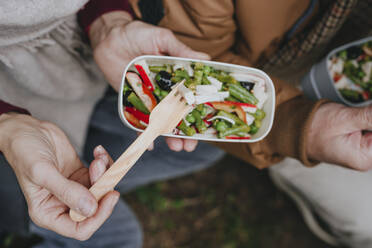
[
  {"x": 100, "y": 149},
  {"x": 86, "y": 206}
]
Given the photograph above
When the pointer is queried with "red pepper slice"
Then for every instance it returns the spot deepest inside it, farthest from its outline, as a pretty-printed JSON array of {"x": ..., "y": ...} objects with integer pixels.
[
  {"x": 207, "y": 123},
  {"x": 146, "y": 80},
  {"x": 337, "y": 77},
  {"x": 365, "y": 95},
  {"x": 133, "y": 120},
  {"x": 138, "y": 114},
  {"x": 230, "y": 107},
  {"x": 238, "y": 138}
]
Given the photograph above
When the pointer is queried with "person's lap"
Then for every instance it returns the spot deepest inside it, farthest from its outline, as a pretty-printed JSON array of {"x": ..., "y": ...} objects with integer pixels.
[
  {"x": 340, "y": 196},
  {"x": 122, "y": 229}
]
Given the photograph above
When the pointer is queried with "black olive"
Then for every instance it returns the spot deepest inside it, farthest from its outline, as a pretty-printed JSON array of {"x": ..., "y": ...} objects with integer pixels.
[
  {"x": 354, "y": 52},
  {"x": 163, "y": 78},
  {"x": 125, "y": 99},
  {"x": 247, "y": 85}
]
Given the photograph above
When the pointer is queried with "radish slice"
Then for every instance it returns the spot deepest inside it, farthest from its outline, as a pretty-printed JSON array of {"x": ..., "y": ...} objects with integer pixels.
[
  {"x": 248, "y": 78},
  {"x": 260, "y": 93},
  {"x": 206, "y": 89},
  {"x": 215, "y": 82},
  {"x": 223, "y": 118},
  {"x": 210, "y": 130},
  {"x": 250, "y": 119},
  {"x": 249, "y": 109},
  {"x": 187, "y": 94},
  {"x": 207, "y": 98},
  {"x": 224, "y": 94}
]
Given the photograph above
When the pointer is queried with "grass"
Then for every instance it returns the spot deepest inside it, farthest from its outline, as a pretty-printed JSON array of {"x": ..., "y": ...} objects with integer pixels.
[{"x": 230, "y": 205}]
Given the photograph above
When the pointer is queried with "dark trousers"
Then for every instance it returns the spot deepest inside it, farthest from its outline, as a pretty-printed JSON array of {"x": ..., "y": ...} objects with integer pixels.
[{"x": 122, "y": 229}]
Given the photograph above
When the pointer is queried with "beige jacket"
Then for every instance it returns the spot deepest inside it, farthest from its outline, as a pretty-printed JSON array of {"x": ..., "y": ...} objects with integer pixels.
[{"x": 246, "y": 32}]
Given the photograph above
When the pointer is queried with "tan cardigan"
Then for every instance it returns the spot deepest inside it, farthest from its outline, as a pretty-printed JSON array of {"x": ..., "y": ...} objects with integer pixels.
[{"x": 46, "y": 67}]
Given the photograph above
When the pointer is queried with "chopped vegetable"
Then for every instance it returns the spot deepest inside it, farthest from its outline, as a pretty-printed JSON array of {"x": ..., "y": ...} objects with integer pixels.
[
  {"x": 226, "y": 105},
  {"x": 137, "y": 103},
  {"x": 142, "y": 91},
  {"x": 144, "y": 71},
  {"x": 351, "y": 71}
]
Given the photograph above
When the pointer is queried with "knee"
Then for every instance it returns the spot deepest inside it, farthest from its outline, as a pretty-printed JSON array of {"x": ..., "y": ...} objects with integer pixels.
[{"x": 356, "y": 231}]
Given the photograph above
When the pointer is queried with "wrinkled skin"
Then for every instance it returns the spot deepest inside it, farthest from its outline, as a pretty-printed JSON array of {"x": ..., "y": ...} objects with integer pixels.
[{"x": 52, "y": 177}]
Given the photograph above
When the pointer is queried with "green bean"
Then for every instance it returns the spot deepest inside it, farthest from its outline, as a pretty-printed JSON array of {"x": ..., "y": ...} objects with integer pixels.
[
  {"x": 190, "y": 84},
  {"x": 231, "y": 116},
  {"x": 232, "y": 99},
  {"x": 205, "y": 81},
  {"x": 176, "y": 79},
  {"x": 126, "y": 88},
  {"x": 157, "y": 68},
  {"x": 190, "y": 118},
  {"x": 137, "y": 103},
  {"x": 189, "y": 131},
  {"x": 351, "y": 95},
  {"x": 207, "y": 70},
  {"x": 198, "y": 77},
  {"x": 157, "y": 92},
  {"x": 234, "y": 131},
  {"x": 257, "y": 123},
  {"x": 254, "y": 129},
  {"x": 202, "y": 110},
  {"x": 197, "y": 66},
  {"x": 163, "y": 93},
  {"x": 260, "y": 114},
  {"x": 221, "y": 126},
  {"x": 169, "y": 68},
  {"x": 242, "y": 94},
  {"x": 181, "y": 74},
  {"x": 199, "y": 123}
]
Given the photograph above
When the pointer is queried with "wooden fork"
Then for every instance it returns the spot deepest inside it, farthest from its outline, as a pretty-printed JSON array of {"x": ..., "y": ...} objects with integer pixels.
[{"x": 163, "y": 119}]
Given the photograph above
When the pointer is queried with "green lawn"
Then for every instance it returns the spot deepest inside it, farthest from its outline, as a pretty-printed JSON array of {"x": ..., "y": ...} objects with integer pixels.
[{"x": 229, "y": 205}]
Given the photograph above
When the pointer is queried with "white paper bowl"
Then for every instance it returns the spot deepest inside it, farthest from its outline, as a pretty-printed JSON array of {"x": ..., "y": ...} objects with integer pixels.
[{"x": 269, "y": 106}]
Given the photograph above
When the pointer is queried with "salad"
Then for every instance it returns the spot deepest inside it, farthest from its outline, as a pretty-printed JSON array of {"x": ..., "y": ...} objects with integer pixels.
[
  {"x": 226, "y": 105},
  {"x": 351, "y": 71}
]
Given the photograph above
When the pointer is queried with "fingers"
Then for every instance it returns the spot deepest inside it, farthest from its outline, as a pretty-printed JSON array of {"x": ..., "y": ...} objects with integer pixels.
[
  {"x": 174, "y": 144},
  {"x": 169, "y": 44},
  {"x": 189, "y": 145},
  {"x": 177, "y": 144},
  {"x": 106, "y": 206},
  {"x": 71, "y": 193},
  {"x": 63, "y": 225},
  {"x": 102, "y": 161}
]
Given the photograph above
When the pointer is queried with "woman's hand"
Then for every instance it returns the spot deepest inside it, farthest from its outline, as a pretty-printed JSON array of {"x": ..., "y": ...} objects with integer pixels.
[
  {"x": 116, "y": 40},
  {"x": 52, "y": 177},
  {"x": 340, "y": 135}
]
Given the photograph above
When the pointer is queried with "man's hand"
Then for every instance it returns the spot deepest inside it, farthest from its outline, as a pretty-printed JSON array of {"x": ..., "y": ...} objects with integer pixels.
[
  {"x": 116, "y": 40},
  {"x": 52, "y": 177},
  {"x": 340, "y": 135}
]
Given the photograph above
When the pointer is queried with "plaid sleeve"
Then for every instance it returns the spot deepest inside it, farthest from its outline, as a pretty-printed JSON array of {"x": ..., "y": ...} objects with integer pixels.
[
  {"x": 6, "y": 108},
  {"x": 96, "y": 8}
]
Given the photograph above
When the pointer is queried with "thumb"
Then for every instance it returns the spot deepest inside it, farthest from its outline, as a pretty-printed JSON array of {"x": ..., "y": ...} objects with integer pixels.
[
  {"x": 170, "y": 45},
  {"x": 71, "y": 193}
]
